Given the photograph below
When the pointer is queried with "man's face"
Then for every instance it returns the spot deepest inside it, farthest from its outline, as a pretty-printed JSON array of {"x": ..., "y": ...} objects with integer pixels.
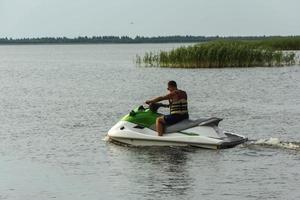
[{"x": 170, "y": 88}]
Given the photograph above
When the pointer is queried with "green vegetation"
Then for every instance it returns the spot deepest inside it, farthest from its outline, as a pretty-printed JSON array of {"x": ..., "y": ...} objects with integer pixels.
[{"x": 227, "y": 53}]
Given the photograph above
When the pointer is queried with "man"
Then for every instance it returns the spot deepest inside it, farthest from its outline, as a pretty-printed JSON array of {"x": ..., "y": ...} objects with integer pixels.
[{"x": 178, "y": 107}]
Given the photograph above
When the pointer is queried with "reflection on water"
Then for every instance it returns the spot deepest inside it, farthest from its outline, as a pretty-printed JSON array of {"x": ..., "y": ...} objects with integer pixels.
[
  {"x": 162, "y": 171},
  {"x": 169, "y": 175}
]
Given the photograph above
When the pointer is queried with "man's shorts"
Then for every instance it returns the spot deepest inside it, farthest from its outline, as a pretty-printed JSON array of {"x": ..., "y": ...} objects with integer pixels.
[{"x": 174, "y": 118}]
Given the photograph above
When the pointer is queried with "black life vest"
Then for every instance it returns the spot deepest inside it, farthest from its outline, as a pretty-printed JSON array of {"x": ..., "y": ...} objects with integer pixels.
[{"x": 179, "y": 105}]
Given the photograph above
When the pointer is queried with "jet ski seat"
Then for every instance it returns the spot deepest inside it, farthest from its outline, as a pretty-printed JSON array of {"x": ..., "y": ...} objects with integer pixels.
[{"x": 188, "y": 123}]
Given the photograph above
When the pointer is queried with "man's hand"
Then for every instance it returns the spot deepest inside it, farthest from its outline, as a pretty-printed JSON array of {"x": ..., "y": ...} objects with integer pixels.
[
  {"x": 158, "y": 99},
  {"x": 148, "y": 102}
]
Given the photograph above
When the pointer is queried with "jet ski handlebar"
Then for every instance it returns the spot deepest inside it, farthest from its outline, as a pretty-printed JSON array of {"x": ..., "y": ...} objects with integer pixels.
[{"x": 155, "y": 106}]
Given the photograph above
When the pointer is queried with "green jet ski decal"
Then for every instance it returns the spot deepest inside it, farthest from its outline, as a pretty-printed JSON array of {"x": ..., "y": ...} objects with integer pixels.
[{"x": 141, "y": 116}]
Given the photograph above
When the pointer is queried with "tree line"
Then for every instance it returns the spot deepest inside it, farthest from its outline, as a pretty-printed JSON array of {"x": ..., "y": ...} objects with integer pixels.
[{"x": 122, "y": 39}]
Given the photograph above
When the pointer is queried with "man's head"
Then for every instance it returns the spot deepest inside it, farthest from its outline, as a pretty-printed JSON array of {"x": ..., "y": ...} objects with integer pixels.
[{"x": 172, "y": 85}]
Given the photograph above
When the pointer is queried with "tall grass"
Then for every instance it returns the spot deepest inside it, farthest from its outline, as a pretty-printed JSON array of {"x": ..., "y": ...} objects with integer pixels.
[{"x": 269, "y": 52}]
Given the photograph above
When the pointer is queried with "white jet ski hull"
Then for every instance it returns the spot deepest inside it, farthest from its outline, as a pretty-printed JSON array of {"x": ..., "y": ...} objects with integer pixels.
[{"x": 209, "y": 137}]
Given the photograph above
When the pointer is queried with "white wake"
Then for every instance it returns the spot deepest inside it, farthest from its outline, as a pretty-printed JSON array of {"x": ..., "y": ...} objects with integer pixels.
[{"x": 276, "y": 143}]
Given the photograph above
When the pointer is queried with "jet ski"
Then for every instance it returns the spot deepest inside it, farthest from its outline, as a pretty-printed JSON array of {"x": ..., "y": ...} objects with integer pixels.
[{"x": 138, "y": 129}]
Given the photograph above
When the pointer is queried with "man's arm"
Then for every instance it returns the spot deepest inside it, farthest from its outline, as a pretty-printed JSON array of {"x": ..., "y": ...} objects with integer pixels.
[{"x": 158, "y": 99}]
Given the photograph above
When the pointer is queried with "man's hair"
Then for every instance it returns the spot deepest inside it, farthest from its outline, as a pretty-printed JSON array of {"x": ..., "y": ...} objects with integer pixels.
[{"x": 172, "y": 84}]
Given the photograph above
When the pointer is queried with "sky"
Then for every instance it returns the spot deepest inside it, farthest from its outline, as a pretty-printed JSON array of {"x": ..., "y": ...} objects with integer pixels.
[{"x": 72, "y": 18}]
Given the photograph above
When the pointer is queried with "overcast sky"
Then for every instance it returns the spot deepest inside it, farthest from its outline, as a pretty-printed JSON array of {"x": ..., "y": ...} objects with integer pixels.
[{"x": 71, "y": 18}]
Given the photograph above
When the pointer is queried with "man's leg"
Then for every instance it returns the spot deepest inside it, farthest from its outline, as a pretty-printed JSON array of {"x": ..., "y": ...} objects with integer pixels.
[{"x": 160, "y": 122}]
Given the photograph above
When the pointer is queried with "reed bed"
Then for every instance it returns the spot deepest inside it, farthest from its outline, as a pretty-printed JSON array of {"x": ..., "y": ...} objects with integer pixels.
[{"x": 220, "y": 54}]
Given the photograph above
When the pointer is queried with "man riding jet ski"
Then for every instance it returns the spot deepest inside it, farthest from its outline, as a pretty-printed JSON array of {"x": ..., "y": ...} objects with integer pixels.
[
  {"x": 178, "y": 107},
  {"x": 138, "y": 128}
]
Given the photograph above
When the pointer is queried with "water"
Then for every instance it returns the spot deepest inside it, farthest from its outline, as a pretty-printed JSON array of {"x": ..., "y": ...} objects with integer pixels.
[{"x": 58, "y": 102}]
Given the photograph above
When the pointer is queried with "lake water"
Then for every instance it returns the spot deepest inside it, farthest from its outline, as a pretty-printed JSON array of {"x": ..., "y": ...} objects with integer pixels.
[{"x": 57, "y": 103}]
